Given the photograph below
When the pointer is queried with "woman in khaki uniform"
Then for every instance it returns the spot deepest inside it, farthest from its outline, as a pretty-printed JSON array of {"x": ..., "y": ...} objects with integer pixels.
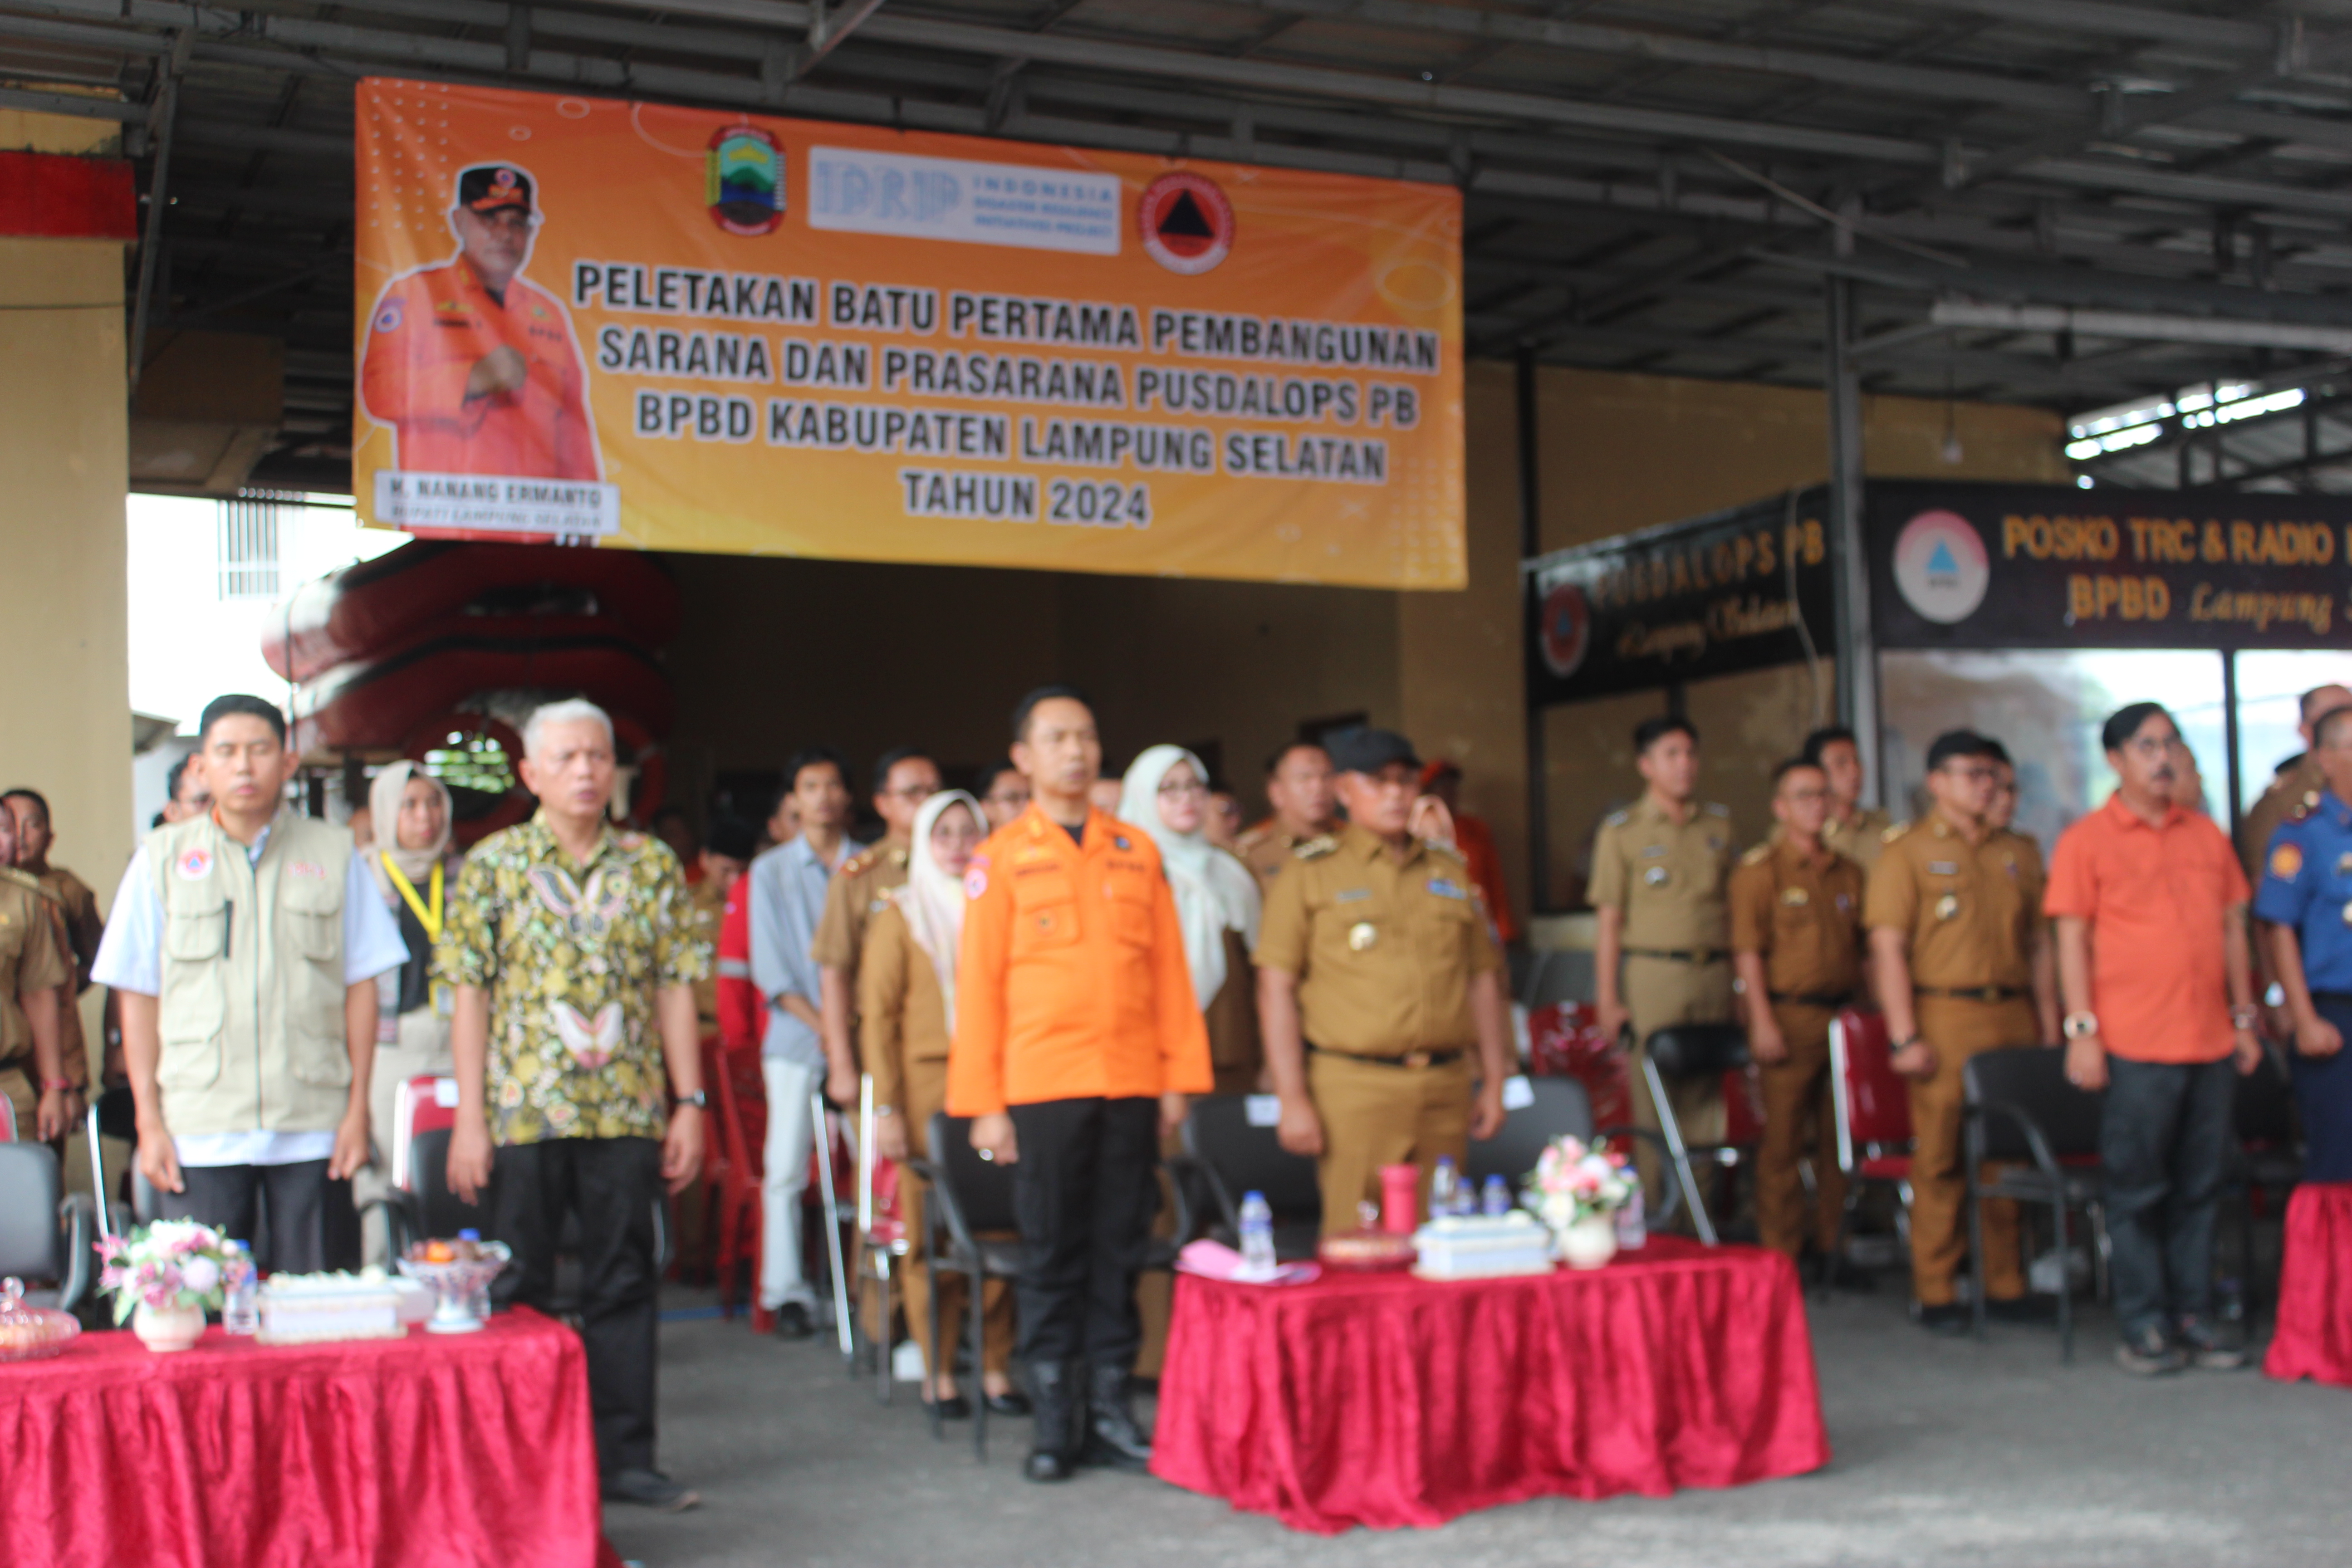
[
  {"x": 906, "y": 994},
  {"x": 1166, "y": 793}
]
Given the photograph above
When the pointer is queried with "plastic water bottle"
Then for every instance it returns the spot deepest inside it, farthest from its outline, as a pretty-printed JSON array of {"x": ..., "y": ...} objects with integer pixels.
[
  {"x": 477, "y": 1300},
  {"x": 1631, "y": 1229},
  {"x": 1496, "y": 1199},
  {"x": 240, "y": 1291},
  {"x": 1445, "y": 1188},
  {"x": 1257, "y": 1238}
]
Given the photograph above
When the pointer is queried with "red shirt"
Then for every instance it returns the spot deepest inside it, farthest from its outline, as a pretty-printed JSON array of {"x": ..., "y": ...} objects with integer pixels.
[
  {"x": 741, "y": 1014},
  {"x": 2155, "y": 895}
]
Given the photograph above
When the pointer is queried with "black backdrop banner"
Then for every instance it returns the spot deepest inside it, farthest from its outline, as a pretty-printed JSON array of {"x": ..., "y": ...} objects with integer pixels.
[
  {"x": 1733, "y": 591},
  {"x": 1974, "y": 565}
]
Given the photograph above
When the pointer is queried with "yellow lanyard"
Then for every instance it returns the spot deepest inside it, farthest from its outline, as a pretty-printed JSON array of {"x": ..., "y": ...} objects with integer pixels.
[{"x": 429, "y": 919}]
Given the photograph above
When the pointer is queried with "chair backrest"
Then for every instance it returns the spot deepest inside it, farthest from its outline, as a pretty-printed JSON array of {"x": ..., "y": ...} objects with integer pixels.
[
  {"x": 981, "y": 1188},
  {"x": 744, "y": 1112},
  {"x": 2033, "y": 1080},
  {"x": 7, "y": 1121},
  {"x": 32, "y": 1244},
  {"x": 1247, "y": 1158},
  {"x": 1873, "y": 1104},
  {"x": 428, "y": 1170},
  {"x": 1697, "y": 1050},
  {"x": 2265, "y": 1107},
  {"x": 1743, "y": 1108},
  {"x": 425, "y": 1103},
  {"x": 1560, "y": 1108}
]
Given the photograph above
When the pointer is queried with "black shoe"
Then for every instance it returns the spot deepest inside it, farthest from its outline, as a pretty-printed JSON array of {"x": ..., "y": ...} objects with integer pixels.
[
  {"x": 2205, "y": 1348},
  {"x": 954, "y": 1407},
  {"x": 1950, "y": 1319},
  {"x": 1842, "y": 1274},
  {"x": 2148, "y": 1353},
  {"x": 1052, "y": 1441},
  {"x": 1013, "y": 1402},
  {"x": 793, "y": 1322},
  {"x": 1112, "y": 1437},
  {"x": 649, "y": 1489},
  {"x": 2023, "y": 1309}
]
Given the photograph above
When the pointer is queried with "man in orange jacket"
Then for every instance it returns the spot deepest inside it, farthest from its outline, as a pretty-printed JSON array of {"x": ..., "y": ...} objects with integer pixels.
[
  {"x": 1077, "y": 1040},
  {"x": 474, "y": 364}
]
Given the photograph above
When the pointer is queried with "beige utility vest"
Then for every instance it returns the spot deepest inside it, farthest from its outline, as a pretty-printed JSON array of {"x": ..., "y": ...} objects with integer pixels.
[{"x": 251, "y": 1012}]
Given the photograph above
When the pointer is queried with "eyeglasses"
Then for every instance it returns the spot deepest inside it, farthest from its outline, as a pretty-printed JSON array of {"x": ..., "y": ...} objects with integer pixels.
[
  {"x": 911, "y": 792},
  {"x": 1984, "y": 774},
  {"x": 1182, "y": 786},
  {"x": 1804, "y": 795}
]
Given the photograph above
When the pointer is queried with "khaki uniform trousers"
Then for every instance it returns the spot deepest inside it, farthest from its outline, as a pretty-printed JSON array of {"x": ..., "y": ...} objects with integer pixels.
[
  {"x": 1661, "y": 993},
  {"x": 1799, "y": 1120},
  {"x": 1939, "y": 1215},
  {"x": 1376, "y": 1114},
  {"x": 926, "y": 1092},
  {"x": 423, "y": 1047}
]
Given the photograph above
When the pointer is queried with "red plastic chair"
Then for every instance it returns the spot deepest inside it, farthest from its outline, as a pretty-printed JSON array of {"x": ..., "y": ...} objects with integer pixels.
[
  {"x": 425, "y": 1103},
  {"x": 742, "y": 1097},
  {"x": 1565, "y": 1041},
  {"x": 703, "y": 1263},
  {"x": 1874, "y": 1113}
]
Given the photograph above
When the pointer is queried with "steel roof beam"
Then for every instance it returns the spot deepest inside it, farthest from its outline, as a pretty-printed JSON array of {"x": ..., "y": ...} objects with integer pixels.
[{"x": 2112, "y": 21}]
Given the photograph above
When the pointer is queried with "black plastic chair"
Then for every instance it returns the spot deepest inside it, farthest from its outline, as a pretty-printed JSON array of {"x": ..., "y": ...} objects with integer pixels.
[
  {"x": 44, "y": 1234},
  {"x": 2267, "y": 1159},
  {"x": 1560, "y": 1108},
  {"x": 1701, "y": 1051},
  {"x": 1230, "y": 1158},
  {"x": 2019, "y": 1112},
  {"x": 969, "y": 1229}
]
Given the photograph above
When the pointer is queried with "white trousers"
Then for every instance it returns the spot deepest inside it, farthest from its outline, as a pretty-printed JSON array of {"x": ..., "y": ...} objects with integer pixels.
[{"x": 790, "y": 1137}]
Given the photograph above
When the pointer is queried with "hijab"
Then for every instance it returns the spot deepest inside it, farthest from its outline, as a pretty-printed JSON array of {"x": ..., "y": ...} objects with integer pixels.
[
  {"x": 933, "y": 902},
  {"x": 383, "y": 804},
  {"x": 1214, "y": 892}
]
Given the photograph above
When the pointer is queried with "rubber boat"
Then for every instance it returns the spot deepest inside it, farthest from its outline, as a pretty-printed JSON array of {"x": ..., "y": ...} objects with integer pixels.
[{"x": 380, "y": 703}]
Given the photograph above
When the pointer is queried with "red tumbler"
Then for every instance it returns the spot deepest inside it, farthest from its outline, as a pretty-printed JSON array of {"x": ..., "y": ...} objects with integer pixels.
[{"x": 1400, "y": 1199}]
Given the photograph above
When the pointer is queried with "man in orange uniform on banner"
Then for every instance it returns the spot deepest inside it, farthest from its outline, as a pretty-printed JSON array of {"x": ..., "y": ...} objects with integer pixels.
[{"x": 474, "y": 364}]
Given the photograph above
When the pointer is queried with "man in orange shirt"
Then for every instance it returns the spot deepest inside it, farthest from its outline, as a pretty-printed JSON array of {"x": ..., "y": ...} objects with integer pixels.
[
  {"x": 1077, "y": 1040},
  {"x": 2151, "y": 911},
  {"x": 474, "y": 364}
]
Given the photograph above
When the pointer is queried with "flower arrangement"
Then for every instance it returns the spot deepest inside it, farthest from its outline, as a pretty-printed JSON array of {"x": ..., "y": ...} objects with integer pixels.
[
  {"x": 170, "y": 1263},
  {"x": 1571, "y": 1182}
]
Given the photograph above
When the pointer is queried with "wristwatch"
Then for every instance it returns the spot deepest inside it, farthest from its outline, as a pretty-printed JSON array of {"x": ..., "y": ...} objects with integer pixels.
[
  {"x": 1905, "y": 1043},
  {"x": 700, "y": 1099},
  {"x": 880, "y": 1111},
  {"x": 2244, "y": 1016},
  {"x": 2082, "y": 1025}
]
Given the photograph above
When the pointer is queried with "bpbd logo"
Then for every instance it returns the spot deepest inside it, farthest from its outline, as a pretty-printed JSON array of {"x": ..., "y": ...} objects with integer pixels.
[{"x": 743, "y": 180}]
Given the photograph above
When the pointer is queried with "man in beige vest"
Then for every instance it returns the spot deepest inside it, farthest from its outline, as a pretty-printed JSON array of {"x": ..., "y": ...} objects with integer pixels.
[{"x": 245, "y": 945}]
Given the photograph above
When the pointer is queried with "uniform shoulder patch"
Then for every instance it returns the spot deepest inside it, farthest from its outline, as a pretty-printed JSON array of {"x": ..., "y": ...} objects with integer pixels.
[
  {"x": 1451, "y": 851},
  {"x": 2286, "y": 860},
  {"x": 1316, "y": 848},
  {"x": 1617, "y": 819},
  {"x": 1894, "y": 831},
  {"x": 1758, "y": 856},
  {"x": 1716, "y": 808}
]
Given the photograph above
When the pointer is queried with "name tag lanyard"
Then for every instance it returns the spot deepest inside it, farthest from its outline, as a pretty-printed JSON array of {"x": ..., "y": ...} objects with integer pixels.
[{"x": 428, "y": 916}]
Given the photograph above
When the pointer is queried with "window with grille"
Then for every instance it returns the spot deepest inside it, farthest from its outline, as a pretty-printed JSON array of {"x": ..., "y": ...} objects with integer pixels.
[{"x": 248, "y": 545}]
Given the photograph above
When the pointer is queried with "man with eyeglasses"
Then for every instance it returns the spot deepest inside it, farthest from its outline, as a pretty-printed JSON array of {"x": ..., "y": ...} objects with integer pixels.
[
  {"x": 1963, "y": 962},
  {"x": 474, "y": 365},
  {"x": 903, "y": 780}
]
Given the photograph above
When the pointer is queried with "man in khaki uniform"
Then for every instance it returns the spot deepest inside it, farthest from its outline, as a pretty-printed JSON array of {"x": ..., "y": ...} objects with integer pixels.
[
  {"x": 861, "y": 885},
  {"x": 1299, "y": 788},
  {"x": 1378, "y": 974},
  {"x": 722, "y": 861},
  {"x": 1854, "y": 830},
  {"x": 35, "y": 975},
  {"x": 2298, "y": 781},
  {"x": 1663, "y": 956},
  {"x": 1796, "y": 941},
  {"x": 1964, "y": 965}
]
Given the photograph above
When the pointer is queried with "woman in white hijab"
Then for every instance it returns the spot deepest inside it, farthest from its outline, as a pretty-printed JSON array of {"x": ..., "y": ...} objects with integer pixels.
[
  {"x": 413, "y": 871},
  {"x": 906, "y": 999},
  {"x": 1217, "y": 904}
]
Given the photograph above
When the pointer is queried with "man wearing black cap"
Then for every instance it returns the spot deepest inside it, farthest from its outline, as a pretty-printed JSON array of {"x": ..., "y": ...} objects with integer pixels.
[
  {"x": 473, "y": 364},
  {"x": 1378, "y": 975}
]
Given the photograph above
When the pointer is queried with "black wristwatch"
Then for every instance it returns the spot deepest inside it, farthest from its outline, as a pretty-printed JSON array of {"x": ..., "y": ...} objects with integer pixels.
[
  {"x": 1895, "y": 1047},
  {"x": 700, "y": 1099}
]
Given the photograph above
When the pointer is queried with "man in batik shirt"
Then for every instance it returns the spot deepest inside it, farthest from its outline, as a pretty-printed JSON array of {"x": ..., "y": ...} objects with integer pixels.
[{"x": 572, "y": 951}]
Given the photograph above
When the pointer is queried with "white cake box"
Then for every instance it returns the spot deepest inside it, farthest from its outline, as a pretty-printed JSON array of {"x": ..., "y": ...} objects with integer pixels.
[
  {"x": 314, "y": 1308},
  {"x": 1467, "y": 1246}
]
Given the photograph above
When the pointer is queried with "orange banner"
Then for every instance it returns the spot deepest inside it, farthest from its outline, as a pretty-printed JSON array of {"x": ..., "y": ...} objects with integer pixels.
[{"x": 680, "y": 329}]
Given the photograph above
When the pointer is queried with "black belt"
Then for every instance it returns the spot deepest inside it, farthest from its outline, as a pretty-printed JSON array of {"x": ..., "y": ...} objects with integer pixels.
[
  {"x": 1810, "y": 1000},
  {"x": 1410, "y": 1059},
  {"x": 1974, "y": 993},
  {"x": 1679, "y": 955}
]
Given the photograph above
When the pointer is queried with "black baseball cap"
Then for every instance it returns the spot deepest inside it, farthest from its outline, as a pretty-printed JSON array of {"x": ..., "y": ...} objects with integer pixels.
[
  {"x": 491, "y": 187},
  {"x": 1370, "y": 751}
]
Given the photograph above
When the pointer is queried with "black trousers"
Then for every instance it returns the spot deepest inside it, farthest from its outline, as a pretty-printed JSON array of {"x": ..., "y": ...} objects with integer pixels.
[
  {"x": 2165, "y": 1138},
  {"x": 611, "y": 1185},
  {"x": 229, "y": 1198},
  {"x": 1084, "y": 1190}
]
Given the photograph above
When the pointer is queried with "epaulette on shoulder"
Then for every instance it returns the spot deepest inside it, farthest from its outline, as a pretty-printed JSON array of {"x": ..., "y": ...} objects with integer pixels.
[
  {"x": 1894, "y": 831},
  {"x": 2303, "y": 808},
  {"x": 1316, "y": 848},
  {"x": 1617, "y": 819},
  {"x": 1451, "y": 851},
  {"x": 24, "y": 879},
  {"x": 1758, "y": 856},
  {"x": 857, "y": 865},
  {"x": 1716, "y": 808}
]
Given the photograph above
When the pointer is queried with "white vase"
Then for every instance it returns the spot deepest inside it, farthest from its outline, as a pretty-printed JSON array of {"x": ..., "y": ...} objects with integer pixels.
[
  {"x": 167, "y": 1328},
  {"x": 1588, "y": 1242}
]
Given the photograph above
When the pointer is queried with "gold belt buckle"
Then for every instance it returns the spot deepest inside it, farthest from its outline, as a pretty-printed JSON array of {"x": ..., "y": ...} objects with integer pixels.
[{"x": 1415, "y": 1058}]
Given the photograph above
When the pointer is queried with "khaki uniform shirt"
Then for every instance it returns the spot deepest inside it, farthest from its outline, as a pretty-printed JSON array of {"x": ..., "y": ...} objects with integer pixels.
[
  {"x": 1860, "y": 838},
  {"x": 1667, "y": 877},
  {"x": 2299, "y": 786},
  {"x": 859, "y": 889},
  {"x": 31, "y": 958},
  {"x": 706, "y": 908},
  {"x": 1971, "y": 911},
  {"x": 1803, "y": 914},
  {"x": 1266, "y": 849},
  {"x": 1383, "y": 945}
]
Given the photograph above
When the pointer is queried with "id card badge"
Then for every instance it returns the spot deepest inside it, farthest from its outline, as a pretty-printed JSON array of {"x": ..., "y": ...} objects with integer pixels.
[{"x": 444, "y": 1000}]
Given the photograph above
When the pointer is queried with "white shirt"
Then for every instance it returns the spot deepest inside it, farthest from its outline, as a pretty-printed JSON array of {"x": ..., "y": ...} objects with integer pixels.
[{"x": 131, "y": 958}]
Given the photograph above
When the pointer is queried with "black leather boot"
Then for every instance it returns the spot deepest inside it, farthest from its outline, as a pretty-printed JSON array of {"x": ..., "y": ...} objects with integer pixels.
[
  {"x": 1112, "y": 1437},
  {"x": 1053, "y": 1439}
]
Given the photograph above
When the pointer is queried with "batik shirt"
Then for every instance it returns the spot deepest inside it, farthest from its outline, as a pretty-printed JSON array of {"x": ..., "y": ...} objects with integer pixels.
[{"x": 572, "y": 955}]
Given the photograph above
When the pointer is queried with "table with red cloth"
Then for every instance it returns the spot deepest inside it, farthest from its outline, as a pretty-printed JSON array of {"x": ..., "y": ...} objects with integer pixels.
[
  {"x": 449, "y": 1449},
  {"x": 1384, "y": 1399},
  {"x": 2314, "y": 1337}
]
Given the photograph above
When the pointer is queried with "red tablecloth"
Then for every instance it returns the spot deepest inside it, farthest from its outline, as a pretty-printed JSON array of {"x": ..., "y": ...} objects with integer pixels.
[
  {"x": 2315, "y": 1317},
  {"x": 1384, "y": 1399},
  {"x": 444, "y": 1449}
]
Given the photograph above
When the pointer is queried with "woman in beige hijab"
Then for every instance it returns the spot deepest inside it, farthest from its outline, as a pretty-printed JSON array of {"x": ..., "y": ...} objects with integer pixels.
[
  {"x": 413, "y": 872},
  {"x": 906, "y": 998},
  {"x": 1217, "y": 905}
]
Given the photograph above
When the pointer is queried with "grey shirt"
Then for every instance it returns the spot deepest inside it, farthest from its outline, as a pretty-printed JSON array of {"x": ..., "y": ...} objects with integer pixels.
[{"x": 788, "y": 887}]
